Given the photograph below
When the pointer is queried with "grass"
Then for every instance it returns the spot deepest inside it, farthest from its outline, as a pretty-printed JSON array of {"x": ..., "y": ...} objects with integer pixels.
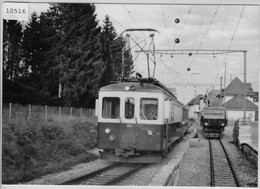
[{"x": 38, "y": 148}]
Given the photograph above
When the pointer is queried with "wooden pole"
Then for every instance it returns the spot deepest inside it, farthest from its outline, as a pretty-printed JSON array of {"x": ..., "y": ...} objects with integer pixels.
[
  {"x": 10, "y": 112},
  {"x": 220, "y": 92},
  {"x": 30, "y": 112},
  {"x": 59, "y": 113},
  {"x": 46, "y": 113},
  {"x": 244, "y": 119}
]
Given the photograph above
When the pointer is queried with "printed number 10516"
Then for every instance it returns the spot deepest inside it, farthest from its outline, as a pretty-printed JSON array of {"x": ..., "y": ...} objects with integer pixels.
[{"x": 15, "y": 11}]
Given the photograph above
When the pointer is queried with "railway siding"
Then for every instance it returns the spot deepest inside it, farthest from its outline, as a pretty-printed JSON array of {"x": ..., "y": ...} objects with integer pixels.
[{"x": 195, "y": 163}]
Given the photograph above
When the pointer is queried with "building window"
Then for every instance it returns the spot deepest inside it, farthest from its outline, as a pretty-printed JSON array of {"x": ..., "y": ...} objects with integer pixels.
[
  {"x": 149, "y": 109},
  {"x": 111, "y": 107}
]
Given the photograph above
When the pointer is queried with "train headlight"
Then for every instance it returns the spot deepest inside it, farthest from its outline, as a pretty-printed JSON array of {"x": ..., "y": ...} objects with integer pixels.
[
  {"x": 111, "y": 138},
  {"x": 150, "y": 133},
  {"x": 206, "y": 123},
  {"x": 107, "y": 130},
  {"x": 222, "y": 124},
  {"x": 127, "y": 88}
]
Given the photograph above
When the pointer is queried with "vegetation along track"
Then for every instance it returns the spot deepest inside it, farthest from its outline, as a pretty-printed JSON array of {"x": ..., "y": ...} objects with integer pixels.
[
  {"x": 222, "y": 173},
  {"x": 106, "y": 176}
]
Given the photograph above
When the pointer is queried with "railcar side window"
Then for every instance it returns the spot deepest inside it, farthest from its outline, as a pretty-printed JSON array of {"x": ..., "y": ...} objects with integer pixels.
[
  {"x": 111, "y": 107},
  {"x": 129, "y": 108},
  {"x": 149, "y": 108}
]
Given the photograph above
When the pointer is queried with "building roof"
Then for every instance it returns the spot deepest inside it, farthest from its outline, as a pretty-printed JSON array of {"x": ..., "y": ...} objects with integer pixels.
[
  {"x": 214, "y": 100},
  {"x": 195, "y": 101},
  {"x": 236, "y": 87},
  {"x": 237, "y": 103}
]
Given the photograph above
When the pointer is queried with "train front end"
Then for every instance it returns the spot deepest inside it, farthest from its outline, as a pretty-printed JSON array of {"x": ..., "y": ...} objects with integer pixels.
[{"x": 130, "y": 123}]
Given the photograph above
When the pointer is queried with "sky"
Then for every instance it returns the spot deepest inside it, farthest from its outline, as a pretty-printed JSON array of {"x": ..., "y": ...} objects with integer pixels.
[{"x": 210, "y": 27}]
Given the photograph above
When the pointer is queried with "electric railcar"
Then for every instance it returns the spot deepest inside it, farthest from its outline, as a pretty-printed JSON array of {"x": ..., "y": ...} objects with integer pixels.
[
  {"x": 138, "y": 119},
  {"x": 213, "y": 120}
]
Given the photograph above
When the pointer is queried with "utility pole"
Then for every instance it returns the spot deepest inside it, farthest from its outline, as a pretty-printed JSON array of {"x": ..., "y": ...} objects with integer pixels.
[
  {"x": 244, "y": 119},
  {"x": 225, "y": 76},
  {"x": 220, "y": 92}
]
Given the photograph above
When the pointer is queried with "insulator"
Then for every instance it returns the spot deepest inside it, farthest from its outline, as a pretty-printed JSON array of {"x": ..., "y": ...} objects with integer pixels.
[
  {"x": 190, "y": 53},
  {"x": 177, "y": 20},
  {"x": 188, "y": 69},
  {"x": 177, "y": 40}
]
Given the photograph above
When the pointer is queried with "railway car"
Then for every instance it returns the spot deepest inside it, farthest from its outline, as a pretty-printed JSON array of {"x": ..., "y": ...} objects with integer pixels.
[
  {"x": 213, "y": 121},
  {"x": 138, "y": 119}
]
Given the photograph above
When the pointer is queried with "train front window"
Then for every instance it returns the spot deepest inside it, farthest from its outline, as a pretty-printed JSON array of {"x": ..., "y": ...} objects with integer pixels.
[
  {"x": 111, "y": 107},
  {"x": 149, "y": 109},
  {"x": 129, "y": 108}
]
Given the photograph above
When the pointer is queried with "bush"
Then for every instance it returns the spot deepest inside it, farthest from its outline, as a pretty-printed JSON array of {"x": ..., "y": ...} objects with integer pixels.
[{"x": 39, "y": 148}]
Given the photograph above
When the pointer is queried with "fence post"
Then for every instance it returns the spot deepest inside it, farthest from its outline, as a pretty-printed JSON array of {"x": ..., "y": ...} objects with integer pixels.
[
  {"x": 46, "y": 113},
  {"x": 30, "y": 112},
  {"x": 80, "y": 113},
  {"x": 10, "y": 112},
  {"x": 59, "y": 113}
]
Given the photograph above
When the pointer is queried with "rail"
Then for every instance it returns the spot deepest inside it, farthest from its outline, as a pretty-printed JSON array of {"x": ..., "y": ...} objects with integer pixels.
[
  {"x": 221, "y": 168},
  {"x": 109, "y": 175}
]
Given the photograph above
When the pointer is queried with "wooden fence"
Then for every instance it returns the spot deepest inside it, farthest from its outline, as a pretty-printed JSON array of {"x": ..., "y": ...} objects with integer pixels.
[{"x": 16, "y": 112}]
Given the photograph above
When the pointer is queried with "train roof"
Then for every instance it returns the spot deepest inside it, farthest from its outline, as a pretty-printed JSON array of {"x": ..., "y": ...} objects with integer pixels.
[{"x": 139, "y": 84}]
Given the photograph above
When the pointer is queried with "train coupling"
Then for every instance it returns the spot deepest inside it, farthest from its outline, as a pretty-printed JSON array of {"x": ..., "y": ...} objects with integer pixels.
[{"x": 124, "y": 152}]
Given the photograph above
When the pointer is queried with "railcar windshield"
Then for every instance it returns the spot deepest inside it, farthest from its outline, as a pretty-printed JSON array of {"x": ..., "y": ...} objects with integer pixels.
[
  {"x": 111, "y": 107},
  {"x": 129, "y": 108},
  {"x": 149, "y": 109}
]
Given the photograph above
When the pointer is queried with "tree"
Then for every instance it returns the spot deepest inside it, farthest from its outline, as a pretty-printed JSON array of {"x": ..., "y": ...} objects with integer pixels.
[
  {"x": 78, "y": 58},
  {"x": 12, "y": 49},
  {"x": 112, "y": 54},
  {"x": 108, "y": 37}
]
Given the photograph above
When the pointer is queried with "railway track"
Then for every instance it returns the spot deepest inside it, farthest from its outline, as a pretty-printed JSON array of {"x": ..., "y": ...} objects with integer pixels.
[
  {"x": 222, "y": 172},
  {"x": 110, "y": 175}
]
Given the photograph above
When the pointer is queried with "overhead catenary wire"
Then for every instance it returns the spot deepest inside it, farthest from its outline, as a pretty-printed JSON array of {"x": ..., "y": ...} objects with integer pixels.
[
  {"x": 112, "y": 17},
  {"x": 206, "y": 33},
  {"x": 132, "y": 18},
  {"x": 208, "y": 27},
  {"x": 232, "y": 39},
  {"x": 224, "y": 24},
  {"x": 184, "y": 23},
  {"x": 165, "y": 25},
  {"x": 201, "y": 24}
]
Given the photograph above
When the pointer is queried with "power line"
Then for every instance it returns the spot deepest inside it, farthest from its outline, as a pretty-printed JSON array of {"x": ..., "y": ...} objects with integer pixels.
[
  {"x": 206, "y": 32},
  {"x": 231, "y": 40},
  {"x": 165, "y": 25},
  {"x": 208, "y": 27},
  {"x": 111, "y": 16},
  {"x": 130, "y": 16},
  {"x": 184, "y": 22},
  {"x": 224, "y": 24}
]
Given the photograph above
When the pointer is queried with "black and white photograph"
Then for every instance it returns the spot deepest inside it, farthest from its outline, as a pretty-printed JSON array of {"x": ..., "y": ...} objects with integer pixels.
[{"x": 138, "y": 94}]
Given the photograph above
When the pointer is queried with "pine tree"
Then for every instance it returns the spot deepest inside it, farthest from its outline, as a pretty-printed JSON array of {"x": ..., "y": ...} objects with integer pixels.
[
  {"x": 78, "y": 54},
  {"x": 12, "y": 49},
  {"x": 108, "y": 42},
  {"x": 112, "y": 54}
]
